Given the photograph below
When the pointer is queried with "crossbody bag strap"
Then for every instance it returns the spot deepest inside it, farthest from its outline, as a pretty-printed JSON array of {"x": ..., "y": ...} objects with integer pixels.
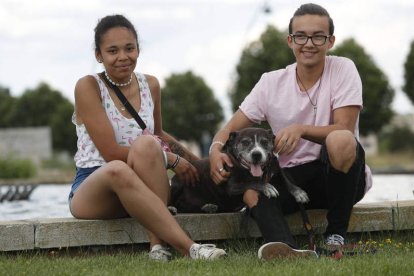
[{"x": 125, "y": 102}]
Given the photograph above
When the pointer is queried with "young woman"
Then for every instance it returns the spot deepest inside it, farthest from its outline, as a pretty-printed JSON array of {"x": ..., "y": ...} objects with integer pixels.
[{"x": 121, "y": 171}]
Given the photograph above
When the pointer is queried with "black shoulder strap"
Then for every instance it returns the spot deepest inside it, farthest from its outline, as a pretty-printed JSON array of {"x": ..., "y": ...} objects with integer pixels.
[{"x": 125, "y": 102}]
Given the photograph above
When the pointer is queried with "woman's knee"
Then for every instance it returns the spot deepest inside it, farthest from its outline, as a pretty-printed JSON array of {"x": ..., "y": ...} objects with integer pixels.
[
  {"x": 341, "y": 147},
  {"x": 145, "y": 148},
  {"x": 118, "y": 175}
]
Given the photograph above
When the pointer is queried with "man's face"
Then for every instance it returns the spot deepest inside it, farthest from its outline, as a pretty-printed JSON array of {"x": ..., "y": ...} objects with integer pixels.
[{"x": 309, "y": 54}]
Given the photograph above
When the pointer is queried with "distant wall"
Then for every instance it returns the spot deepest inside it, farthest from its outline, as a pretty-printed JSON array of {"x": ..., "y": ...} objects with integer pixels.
[{"x": 33, "y": 143}]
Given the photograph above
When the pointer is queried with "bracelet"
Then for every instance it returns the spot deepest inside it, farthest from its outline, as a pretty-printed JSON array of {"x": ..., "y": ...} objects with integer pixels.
[
  {"x": 215, "y": 143},
  {"x": 177, "y": 160}
]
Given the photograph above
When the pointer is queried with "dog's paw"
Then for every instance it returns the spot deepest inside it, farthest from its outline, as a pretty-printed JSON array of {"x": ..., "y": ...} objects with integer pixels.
[
  {"x": 209, "y": 208},
  {"x": 270, "y": 191},
  {"x": 300, "y": 196}
]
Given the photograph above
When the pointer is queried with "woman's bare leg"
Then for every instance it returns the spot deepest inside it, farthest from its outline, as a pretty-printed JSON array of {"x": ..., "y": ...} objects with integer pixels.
[
  {"x": 115, "y": 191},
  {"x": 146, "y": 159}
]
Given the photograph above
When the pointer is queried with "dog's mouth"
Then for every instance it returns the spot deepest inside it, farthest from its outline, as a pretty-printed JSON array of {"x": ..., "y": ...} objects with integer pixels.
[{"x": 254, "y": 169}]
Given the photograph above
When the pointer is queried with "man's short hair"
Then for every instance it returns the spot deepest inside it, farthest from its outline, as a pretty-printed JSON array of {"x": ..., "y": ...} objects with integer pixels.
[{"x": 312, "y": 9}]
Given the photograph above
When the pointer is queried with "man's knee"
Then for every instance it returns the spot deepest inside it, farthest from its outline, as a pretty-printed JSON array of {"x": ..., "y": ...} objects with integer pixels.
[
  {"x": 341, "y": 147},
  {"x": 250, "y": 198}
]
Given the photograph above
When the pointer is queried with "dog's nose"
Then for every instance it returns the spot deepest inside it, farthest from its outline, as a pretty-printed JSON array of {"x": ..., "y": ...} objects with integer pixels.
[{"x": 256, "y": 156}]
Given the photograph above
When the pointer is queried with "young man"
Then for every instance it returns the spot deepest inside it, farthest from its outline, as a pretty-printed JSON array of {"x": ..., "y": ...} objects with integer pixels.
[{"x": 313, "y": 108}]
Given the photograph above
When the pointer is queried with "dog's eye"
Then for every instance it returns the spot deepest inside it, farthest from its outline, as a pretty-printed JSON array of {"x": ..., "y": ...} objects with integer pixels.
[
  {"x": 245, "y": 143},
  {"x": 264, "y": 143}
]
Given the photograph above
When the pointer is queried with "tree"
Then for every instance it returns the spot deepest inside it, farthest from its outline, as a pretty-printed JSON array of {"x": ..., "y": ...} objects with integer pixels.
[
  {"x": 408, "y": 87},
  {"x": 7, "y": 103},
  {"x": 43, "y": 106},
  {"x": 270, "y": 52},
  {"x": 64, "y": 132},
  {"x": 398, "y": 139},
  {"x": 190, "y": 110},
  {"x": 377, "y": 93}
]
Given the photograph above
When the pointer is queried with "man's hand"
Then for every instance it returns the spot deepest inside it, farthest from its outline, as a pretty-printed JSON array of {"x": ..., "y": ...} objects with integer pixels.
[
  {"x": 217, "y": 172},
  {"x": 287, "y": 139}
]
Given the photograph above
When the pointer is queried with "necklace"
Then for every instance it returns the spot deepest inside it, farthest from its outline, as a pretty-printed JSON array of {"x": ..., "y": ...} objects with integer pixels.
[
  {"x": 123, "y": 107},
  {"x": 118, "y": 84},
  {"x": 315, "y": 105}
]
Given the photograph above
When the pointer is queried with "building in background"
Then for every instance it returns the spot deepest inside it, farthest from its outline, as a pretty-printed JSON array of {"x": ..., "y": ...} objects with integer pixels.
[{"x": 34, "y": 143}]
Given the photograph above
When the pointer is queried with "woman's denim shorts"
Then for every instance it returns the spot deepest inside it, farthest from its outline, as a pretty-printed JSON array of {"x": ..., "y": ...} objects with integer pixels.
[{"x": 81, "y": 175}]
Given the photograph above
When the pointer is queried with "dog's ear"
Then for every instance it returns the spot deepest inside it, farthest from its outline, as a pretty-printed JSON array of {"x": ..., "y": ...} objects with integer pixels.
[
  {"x": 230, "y": 142},
  {"x": 271, "y": 134}
]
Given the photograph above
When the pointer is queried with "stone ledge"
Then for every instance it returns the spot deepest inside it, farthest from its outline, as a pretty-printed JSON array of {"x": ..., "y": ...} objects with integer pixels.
[{"x": 71, "y": 232}]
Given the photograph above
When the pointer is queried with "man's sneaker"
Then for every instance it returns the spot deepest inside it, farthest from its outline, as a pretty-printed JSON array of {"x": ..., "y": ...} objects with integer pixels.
[
  {"x": 160, "y": 253},
  {"x": 206, "y": 252},
  {"x": 275, "y": 250},
  {"x": 334, "y": 242}
]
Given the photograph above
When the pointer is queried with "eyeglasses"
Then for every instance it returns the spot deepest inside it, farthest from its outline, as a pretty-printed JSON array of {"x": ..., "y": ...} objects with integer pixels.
[{"x": 317, "y": 40}]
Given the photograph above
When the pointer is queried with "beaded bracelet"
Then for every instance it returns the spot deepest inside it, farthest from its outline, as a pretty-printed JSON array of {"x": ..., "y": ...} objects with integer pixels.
[
  {"x": 215, "y": 143},
  {"x": 177, "y": 160}
]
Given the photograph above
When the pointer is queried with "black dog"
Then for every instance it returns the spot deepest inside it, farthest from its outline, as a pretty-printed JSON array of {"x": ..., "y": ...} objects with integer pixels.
[{"x": 254, "y": 164}]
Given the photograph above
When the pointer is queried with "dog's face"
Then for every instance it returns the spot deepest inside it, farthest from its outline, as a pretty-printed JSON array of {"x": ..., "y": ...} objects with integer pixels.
[{"x": 252, "y": 148}]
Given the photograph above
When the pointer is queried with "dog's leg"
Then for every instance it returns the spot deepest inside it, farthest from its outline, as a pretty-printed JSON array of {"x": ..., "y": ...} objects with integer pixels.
[
  {"x": 300, "y": 195},
  {"x": 270, "y": 191}
]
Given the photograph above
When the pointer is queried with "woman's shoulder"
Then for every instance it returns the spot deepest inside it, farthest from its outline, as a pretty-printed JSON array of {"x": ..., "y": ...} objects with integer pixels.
[
  {"x": 86, "y": 83},
  {"x": 152, "y": 80},
  {"x": 87, "y": 80}
]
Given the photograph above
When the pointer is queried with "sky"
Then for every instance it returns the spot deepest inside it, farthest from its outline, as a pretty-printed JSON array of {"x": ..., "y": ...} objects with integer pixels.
[{"x": 52, "y": 41}]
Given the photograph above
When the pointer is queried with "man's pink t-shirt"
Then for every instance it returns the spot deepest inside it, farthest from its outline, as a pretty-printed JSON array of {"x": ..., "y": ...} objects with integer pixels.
[{"x": 277, "y": 99}]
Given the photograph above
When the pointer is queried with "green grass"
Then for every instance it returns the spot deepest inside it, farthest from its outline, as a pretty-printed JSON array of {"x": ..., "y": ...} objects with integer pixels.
[{"x": 394, "y": 256}]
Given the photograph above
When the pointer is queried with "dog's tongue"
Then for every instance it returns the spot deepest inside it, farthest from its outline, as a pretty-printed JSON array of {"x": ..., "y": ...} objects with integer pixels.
[{"x": 256, "y": 170}]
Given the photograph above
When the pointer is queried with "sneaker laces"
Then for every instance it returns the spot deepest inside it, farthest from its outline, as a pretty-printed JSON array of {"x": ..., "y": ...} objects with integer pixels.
[
  {"x": 203, "y": 251},
  {"x": 335, "y": 239}
]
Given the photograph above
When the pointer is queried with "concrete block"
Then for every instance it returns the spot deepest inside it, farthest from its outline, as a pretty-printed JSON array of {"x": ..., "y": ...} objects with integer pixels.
[
  {"x": 218, "y": 226},
  {"x": 16, "y": 235},
  {"x": 373, "y": 217},
  {"x": 383, "y": 216},
  {"x": 403, "y": 214},
  {"x": 68, "y": 232}
]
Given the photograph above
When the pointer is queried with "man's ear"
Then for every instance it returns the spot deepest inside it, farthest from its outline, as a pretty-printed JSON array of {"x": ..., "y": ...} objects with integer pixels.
[
  {"x": 331, "y": 42},
  {"x": 290, "y": 41}
]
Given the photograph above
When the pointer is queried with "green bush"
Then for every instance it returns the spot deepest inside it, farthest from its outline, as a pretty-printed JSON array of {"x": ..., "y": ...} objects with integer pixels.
[
  {"x": 397, "y": 139},
  {"x": 16, "y": 168}
]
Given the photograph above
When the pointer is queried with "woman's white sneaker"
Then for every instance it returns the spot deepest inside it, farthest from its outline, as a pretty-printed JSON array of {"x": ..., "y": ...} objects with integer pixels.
[
  {"x": 206, "y": 252},
  {"x": 160, "y": 253}
]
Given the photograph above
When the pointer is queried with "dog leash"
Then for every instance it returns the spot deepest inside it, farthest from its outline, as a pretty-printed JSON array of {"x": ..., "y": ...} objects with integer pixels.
[
  {"x": 336, "y": 254},
  {"x": 308, "y": 227}
]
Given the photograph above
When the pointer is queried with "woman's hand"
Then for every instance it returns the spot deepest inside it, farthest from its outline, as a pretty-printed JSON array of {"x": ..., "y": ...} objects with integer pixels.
[{"x": 186, "y": 172}]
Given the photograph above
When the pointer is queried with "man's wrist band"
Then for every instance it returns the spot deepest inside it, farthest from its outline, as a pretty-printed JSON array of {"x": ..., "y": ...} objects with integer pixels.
[{"x": 215, "y": 143}]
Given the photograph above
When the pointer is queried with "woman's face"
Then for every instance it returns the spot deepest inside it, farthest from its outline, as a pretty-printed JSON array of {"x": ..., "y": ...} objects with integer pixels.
[{"x": 119, "y": 53}]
